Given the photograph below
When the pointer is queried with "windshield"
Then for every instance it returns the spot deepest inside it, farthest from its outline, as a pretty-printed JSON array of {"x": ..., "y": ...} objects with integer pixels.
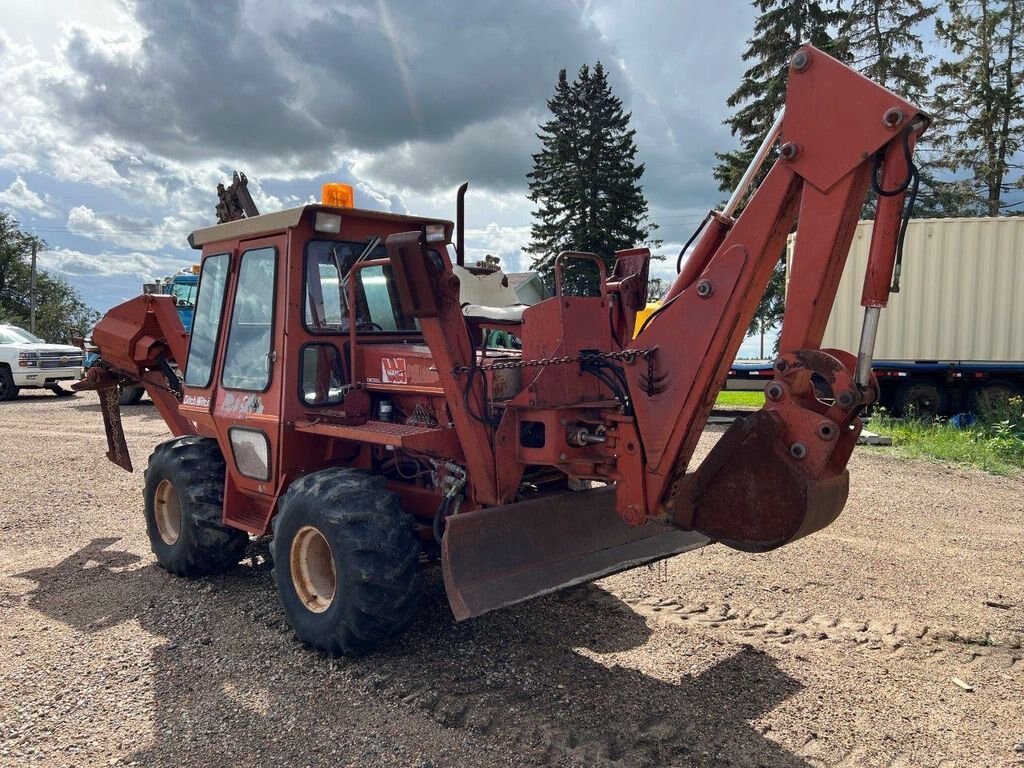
[
  {"x": 10, "y": 334},
  {"x": 326, "y": 299},
  {"x": 184, "y": 295}
]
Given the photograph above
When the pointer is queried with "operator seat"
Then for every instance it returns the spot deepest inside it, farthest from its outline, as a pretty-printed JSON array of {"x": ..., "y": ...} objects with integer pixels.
[{"x": 488, "y": 299}]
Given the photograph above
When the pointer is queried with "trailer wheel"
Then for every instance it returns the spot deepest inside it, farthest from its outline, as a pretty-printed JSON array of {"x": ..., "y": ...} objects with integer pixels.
[
  {"x": 920, "y": 400},
  {"x": 184, "y": 495},
  {"x": 346, "y": 562},
  {"x": 7, "y": 389},
  {"x": 991, "y": 400},
  {"x": 130, "y": 395}
]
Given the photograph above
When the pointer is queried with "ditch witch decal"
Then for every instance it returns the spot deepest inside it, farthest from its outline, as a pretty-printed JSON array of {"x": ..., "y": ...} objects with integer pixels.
[{"x": 393, "y": 370}]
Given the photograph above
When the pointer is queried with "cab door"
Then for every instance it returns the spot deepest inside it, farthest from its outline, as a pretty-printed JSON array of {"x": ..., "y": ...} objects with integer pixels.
[{"x": 247, "y": 404}]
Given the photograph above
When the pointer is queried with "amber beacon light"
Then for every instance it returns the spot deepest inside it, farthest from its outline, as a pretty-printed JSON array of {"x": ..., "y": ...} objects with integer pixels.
[{"x": 337, "y": 194}]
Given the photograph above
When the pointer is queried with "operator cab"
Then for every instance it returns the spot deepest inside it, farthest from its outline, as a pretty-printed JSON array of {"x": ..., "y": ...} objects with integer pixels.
[{"x": 313, "y": 286}]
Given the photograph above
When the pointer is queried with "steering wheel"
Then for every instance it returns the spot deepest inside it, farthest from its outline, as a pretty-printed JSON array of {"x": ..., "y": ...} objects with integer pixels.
[{"x": 367, "y": 325}]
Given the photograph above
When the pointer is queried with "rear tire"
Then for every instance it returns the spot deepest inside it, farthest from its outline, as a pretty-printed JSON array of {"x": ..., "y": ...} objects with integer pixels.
[
  {"x": 184, "y": 496},
  {"x": 346, "y": 562},
  {"x": 991, "y": 400},
  {"x": 920, "y": 400},
  {"x": 130, "y": 395},
  {"x": 7, "y": 389}
]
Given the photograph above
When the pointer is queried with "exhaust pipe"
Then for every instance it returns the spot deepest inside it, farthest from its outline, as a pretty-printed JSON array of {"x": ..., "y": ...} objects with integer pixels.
[{"x": 460, "y": 225}]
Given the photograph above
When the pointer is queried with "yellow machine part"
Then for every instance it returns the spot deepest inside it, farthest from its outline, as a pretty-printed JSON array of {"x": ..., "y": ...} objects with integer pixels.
[{"x": 643, "y": 314}]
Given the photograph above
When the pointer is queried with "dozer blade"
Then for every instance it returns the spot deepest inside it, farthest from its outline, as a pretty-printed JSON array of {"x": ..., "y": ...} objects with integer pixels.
[{"x": 496, "y": 557}]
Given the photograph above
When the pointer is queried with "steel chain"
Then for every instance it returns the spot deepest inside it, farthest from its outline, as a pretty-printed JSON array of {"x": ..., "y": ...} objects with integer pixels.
[
  {"x": 625, "y": 355},
  {"x": 123, "y": 376}
]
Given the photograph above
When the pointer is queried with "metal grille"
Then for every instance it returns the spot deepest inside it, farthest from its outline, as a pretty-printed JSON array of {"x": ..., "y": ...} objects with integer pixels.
[{"x": 59, "y": 360}]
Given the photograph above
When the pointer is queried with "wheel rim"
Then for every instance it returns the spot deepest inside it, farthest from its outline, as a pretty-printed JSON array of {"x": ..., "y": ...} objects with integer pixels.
[
  {"x": 313, "y": 574},
  {"x": 167, "y": 511},
  {"x": 922, "y": 401}
]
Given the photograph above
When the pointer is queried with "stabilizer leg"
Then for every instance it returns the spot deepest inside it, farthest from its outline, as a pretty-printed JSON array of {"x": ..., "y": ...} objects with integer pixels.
[{"x": 106, "y": 385}]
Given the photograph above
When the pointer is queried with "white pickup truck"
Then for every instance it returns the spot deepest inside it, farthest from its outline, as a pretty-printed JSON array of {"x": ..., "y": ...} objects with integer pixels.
[{"x": 29, "y": 362}]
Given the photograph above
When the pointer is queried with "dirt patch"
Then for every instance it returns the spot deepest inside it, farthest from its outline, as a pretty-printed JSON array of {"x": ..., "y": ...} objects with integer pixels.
[{"x": 837, "y": 650}]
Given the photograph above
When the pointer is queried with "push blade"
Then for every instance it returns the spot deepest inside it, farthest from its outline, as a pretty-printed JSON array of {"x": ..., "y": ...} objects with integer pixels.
[{"x": 497, "y": 557}]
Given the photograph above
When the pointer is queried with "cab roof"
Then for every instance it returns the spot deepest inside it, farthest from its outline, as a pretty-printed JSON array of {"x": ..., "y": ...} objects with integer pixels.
[{"x": 290, "y": 217}]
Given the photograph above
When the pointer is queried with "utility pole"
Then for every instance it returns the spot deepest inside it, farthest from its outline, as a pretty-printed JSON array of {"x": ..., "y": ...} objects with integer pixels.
[{"x": 32, "y": 291}]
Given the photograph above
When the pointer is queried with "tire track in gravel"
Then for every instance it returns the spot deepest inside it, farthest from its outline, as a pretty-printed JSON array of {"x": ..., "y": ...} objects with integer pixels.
[
  {"x": 1003, "y": 650},
  {"x": 513, "y": 679},
  {"x": 485, "y": 703},
  {"x": 516, "y": 679}
]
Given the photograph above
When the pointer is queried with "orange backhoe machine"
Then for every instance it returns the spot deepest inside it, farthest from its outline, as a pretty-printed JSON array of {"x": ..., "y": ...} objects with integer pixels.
[{"x": 337, "y": 391}]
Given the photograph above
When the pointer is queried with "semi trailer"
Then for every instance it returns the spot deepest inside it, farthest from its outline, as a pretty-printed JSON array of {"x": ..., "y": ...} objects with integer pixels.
[{"x": 953, "y": 335}]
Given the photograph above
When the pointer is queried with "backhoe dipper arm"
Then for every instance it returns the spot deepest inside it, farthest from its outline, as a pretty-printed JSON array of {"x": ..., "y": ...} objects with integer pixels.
[{"x": 780, "y": 473}]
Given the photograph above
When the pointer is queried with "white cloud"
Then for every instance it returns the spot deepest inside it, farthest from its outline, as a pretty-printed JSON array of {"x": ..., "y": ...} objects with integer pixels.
[
  {"x": 72, "y": 263},
  {"x": 23, "y": 200},
  {"x": 133, "y": 232},
  {"x": 18, "y": 161},
  {"x": 128, "y": 113}
]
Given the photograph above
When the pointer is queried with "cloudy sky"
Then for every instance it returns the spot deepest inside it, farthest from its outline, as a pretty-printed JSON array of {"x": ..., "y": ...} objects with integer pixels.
[{"x": 119, "y": 118}]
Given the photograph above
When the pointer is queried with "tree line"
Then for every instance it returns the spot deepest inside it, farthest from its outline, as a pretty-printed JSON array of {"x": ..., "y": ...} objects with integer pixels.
[
  {"x": 60, "y": 311},
  {"x": 970, "y": 157}
]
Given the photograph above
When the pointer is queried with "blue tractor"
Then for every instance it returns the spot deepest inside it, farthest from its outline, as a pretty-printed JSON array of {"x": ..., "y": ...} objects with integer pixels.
[{"x": 183, "y": 287}]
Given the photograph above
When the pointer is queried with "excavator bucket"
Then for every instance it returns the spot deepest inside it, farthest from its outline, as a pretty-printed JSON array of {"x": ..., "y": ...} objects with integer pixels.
[
  {"x": 504, "y": 555},
  {"x": 748, "y": 496}
]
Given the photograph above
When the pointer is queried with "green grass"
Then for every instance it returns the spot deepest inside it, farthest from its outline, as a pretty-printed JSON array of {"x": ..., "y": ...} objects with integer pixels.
[
  {"x": 995, "y": 445},
  {"x": 754, "y": 399},
  {"x": 993, "y": 448}
]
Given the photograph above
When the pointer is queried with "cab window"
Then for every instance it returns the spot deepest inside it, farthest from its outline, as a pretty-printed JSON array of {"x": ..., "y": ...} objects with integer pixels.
[
  {"x": 322, "y": 375},
  {"x": 206, "y": 325},
  {"x": 247, "y": 359},
  {"x": 328, "y": 264}
]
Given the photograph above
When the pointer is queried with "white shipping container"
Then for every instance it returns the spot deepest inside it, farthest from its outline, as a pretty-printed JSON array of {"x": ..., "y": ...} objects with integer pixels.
[{"x": 961, "y": 296}]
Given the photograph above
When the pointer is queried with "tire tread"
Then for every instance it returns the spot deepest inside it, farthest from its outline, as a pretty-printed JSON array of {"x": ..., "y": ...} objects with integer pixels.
[{"x": 379, "y": 576}]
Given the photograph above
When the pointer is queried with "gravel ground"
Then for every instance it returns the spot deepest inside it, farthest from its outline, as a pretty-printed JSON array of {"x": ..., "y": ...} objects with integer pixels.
[{"x": 838, "y": 650}]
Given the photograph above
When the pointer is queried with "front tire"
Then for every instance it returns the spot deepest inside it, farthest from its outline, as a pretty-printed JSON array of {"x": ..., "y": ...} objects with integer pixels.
[
  {"x": 7, "y": 389},
  {"x": 184, "y": 496},
  {"x": 346, "y": 563}
]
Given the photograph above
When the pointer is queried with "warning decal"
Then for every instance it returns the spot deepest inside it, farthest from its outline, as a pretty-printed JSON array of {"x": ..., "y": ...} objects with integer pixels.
[{"x": 393, "y": 370}]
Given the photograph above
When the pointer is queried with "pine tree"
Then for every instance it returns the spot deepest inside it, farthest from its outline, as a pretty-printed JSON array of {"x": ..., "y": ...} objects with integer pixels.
[
  {"x": 782, "y": 27},
  {"x": 585, "y": 180},
  {"x": 884, "y": 44},
  {"x": 979, "y": 98}
]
